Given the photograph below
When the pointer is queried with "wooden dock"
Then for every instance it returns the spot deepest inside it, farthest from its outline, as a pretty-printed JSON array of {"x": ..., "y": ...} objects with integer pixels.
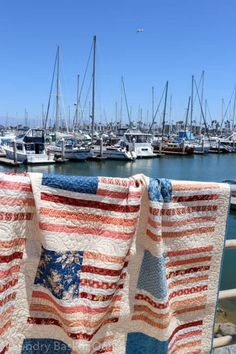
[{"x": 165, "y": 152}]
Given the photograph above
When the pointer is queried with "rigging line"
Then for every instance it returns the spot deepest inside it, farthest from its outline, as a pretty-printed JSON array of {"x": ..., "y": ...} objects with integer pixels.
[
  {"x": 154, "y": 117},
  {"x": 195, "y": 96},
  {"x": 126, "y": 102},
  {"x": 75, "y": 119},
  {"x": 83, "y": 81},
  {"x": 203, "y": 116},
  {"x": 50, "y": 92},
  {"x": 234, "y": 107},
  {"x": 63, "y": 111},
  {"x": 90, "y": 84},
  {"x": 223, "y": 119},
  {"x": 208, "y": 109}
]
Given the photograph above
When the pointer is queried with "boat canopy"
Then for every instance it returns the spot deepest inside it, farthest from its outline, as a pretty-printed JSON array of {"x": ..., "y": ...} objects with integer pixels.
[{"x": 187, "y": 135}]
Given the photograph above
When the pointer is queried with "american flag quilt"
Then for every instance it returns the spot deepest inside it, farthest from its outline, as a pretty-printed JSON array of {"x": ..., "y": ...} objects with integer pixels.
[{"x": 92, "y": 265}]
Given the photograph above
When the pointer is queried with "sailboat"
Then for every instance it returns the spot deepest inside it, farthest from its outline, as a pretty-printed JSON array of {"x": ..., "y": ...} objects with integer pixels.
[{"x": 66, "y": 146}]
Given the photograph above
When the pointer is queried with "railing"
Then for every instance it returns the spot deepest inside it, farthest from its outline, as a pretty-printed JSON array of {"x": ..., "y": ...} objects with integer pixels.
[{"x": 226, "y": 294}]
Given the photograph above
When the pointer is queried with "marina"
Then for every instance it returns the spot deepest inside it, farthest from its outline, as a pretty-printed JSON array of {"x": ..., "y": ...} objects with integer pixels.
[{"x": 118, "y": 177}]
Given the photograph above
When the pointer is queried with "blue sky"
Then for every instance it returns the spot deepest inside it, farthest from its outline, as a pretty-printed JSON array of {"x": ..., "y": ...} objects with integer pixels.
[{"x": 180, "y": 38}]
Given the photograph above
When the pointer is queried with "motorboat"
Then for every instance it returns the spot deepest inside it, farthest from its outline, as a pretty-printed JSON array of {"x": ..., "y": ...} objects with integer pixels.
[
  {"x": 139, "y": 143},
  {"x": 70, "y": 149},
  {"x": 29, "y": 148},
  {"x": 114, "y": 153}
]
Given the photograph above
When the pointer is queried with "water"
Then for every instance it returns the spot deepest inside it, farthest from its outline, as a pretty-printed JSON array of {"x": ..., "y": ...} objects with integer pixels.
[{"x": 212, "y": 168}]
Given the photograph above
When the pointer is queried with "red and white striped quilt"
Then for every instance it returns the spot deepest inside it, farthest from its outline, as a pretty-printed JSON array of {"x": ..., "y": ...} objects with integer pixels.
[{"x": 109, "y": 265}]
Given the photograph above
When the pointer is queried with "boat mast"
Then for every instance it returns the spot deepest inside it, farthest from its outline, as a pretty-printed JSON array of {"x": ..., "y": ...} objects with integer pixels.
[
  {"x": 116, "y": 112},
  {"x": 50, "y": 93},
  {"x": 126, "y": 102},
  {"x": 121, "y": 103},
  {"x": 222, "y": 114},
  {"x": 170, "y": 113},
  {"x": 203, "y": 75},
  {"x": 43, "y": 116},
  {"x": 203, "y": 116},
  {"x": 58, "y": 90},
  {"x": 164, "y": 112},
  {"x": 187, "y": 113},
  {"x": 75, "y": 124},
  {"x": 191, "y": 110},
  {"x": 234, "y": 107},
  {"x": 153, "y": 103},
  {"x": 93, "y": 93}
]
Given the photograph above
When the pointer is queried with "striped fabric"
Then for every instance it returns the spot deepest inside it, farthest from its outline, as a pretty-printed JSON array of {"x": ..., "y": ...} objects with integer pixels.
[{"x": 109, "y": 265}]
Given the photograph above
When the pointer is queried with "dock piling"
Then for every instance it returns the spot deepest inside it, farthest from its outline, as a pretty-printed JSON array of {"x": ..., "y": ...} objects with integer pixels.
[
  {"x": 203, "y": 145},
  {"x": 63, "y": 149},
  {"x": 14, "y": 152},
  {"x": 183, "y": 146},
  {"x": 101, "y": 147}
]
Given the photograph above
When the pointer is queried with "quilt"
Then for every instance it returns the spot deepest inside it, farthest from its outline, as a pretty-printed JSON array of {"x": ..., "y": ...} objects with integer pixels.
[{"x": 109, "y": 265}]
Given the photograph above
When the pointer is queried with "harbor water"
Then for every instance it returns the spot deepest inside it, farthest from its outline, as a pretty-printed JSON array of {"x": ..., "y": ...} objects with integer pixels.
[{"x": 211, "y": 167}]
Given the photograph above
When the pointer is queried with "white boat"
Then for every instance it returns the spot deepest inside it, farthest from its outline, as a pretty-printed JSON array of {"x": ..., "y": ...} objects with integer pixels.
[
  {"x": 140, "y": 143},
  {"x": 71, "y": 150},
  {"x": 7, "y": 136},
  {"x": 29, "y": 148},
  {"x": 114, "y": 153}
]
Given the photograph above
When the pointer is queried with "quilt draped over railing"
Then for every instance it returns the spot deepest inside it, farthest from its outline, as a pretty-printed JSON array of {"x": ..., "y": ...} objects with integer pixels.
[{"x": 109, "y": 265}]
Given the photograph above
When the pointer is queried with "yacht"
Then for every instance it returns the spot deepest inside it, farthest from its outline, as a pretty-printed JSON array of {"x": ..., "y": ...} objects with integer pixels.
[
  {"x": 140, "y": 143},
  {"x": 29, "y": 148},
  {"x": 113, "y": 153},
  {"x": 72, "y": 151},
  {"x": 174, "y": 148}
]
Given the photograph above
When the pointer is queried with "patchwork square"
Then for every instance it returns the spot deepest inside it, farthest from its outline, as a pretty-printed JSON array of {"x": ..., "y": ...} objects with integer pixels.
[
  {"x": 140, "y": 343},
  {"x": 152, "y": 276},
  {"x": 71, "y": 183},
  {"x": 160, "y": 190},
  {"x": 59, "y": 272}
]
